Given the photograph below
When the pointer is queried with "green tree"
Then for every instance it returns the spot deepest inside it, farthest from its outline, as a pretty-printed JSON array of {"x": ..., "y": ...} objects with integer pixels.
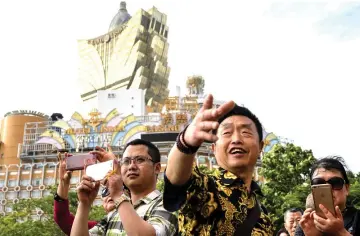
[
  {"x": 354, "y": 196},
  {"x": 160, "y": 185},
  {"x": 23, "y": 221},
  {"x": 286, "y": 169}
]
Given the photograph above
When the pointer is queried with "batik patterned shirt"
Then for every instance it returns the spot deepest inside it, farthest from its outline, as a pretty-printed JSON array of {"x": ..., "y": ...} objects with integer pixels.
[{"x": 215, "y": 204}]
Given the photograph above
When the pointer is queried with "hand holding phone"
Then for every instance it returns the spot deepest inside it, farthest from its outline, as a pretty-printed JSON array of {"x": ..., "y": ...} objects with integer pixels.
[
  {"x": 100, "y": 170},
  {"x": 322, "y": 194}
]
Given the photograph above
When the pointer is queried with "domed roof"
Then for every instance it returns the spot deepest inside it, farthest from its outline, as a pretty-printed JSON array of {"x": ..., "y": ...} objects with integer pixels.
[{"x": 121, "y": 17}]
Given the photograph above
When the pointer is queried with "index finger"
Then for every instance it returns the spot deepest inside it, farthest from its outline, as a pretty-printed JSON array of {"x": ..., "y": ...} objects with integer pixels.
[
  {"x": 88, "y": 178},
  {"x": 98, "y": 154},
  {"x": 208, "y": 103},
  {"x": 109, "y": 148},
  {"x": 306, "y": 215},
  {"x": 225, "y": 108},
  {"x": 326, "y": 212},
  {"x": 308, "y": 210},
  {"x": 62, "y": 164},
  {"x": 319, "y": 219},
  {"x": 59, "y": 157},
  {"x": 99, "y": 149}
]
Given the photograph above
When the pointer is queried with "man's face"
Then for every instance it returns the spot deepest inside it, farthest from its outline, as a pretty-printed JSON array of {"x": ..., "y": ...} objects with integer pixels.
[
  {"x": 108, "y": 203},
  {"x": 139, "y": 175},
  {"x": 339, "y": 196},
  {"x": 238, "y": 145},
  {"x": 292, "y": 220}
]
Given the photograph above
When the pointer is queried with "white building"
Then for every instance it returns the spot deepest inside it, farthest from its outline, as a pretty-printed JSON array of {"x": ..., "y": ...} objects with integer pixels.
[{"x": 126, "y": 101}]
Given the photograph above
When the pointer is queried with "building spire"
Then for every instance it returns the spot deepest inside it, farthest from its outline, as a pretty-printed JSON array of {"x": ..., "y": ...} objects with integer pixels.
[{"x": 123, "y": 5}]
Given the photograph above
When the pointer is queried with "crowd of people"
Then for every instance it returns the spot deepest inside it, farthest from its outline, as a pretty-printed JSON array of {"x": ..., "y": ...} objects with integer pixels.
[{"x": 225, "y": 202}]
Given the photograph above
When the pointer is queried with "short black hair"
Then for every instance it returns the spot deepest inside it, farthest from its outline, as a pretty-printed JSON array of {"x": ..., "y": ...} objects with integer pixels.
[
  {"x": 243, "y": 111},
  {"x": 293, "y": 210},
  {"x": 153, "y": 151},
  {"x": 282, "y": 231},
  {"x": 331, "y": 163}
]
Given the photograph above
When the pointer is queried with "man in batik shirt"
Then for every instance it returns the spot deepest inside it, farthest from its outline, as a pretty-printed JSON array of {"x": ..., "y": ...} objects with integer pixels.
[{"x": 226, "y": 202}]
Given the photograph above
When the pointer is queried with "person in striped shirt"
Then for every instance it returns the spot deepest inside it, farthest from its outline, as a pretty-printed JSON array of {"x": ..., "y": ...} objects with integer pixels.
[{"x": 142, "y": 213}]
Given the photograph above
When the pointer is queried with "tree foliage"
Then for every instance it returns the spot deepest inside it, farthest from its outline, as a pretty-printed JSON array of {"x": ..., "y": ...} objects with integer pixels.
[
  {"x": 354, "y": 196},
  {"x": 286, "y": 169},
  {"x": 160, "y": 185},
  {"x": 24, "y": 221}
]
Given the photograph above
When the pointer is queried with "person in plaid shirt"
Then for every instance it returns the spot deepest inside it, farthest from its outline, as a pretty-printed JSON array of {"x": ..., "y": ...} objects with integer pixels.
[{"x": 143, "y": 213}]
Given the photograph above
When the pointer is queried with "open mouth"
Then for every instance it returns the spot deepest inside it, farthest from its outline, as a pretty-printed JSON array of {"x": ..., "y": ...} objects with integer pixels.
[{"x": 237, "y": 150}]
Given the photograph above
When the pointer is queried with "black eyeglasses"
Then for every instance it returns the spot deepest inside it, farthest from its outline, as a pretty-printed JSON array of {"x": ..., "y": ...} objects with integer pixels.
[
  {"x": 336, "y": 183},
  {"x": 139, "y": 160},
  {"x": 105, "y": 192}
]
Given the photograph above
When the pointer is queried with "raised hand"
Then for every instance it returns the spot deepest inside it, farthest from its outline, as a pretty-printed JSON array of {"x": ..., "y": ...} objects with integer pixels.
[
  {"x": 115, "y": 185},
  {"x": 307, "y": 223},
  {"x": 64, "y": 175},
  {"x": 205, "y": 121},
  {"x": 87, "y": 190},
  {"x": 102, "y": 155},
  {"x": 332, "y": 223}
]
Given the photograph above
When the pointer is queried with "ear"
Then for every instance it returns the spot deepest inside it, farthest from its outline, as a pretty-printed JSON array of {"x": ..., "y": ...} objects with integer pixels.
[
  {"x": 347, "y": 189},
  {"x": 213, "y": 147},
  {"x": 261, "y": 146},
  {"x": 157, "y": 168}
]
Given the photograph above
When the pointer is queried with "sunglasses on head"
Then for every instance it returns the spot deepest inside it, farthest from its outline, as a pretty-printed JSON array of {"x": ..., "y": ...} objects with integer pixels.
[
  {"x": 105, "y": 192},
  {"x": 336, "y": 183}
]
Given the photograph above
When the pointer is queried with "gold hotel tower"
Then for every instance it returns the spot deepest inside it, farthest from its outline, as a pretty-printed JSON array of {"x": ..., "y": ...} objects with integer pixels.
[{"x": 133, "y": 54}]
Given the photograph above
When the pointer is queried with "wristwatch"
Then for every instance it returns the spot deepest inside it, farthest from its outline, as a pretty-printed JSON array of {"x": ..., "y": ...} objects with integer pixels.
[
  {"x": 58, "y": 198},
  {"x": 121, "y": 199}
]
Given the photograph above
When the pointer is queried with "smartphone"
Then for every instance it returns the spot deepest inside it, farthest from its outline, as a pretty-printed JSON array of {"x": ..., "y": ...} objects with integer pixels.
[
  {"x": 99, "y": 170},
  {"x": 77, "y": 162},
  {"x": 322, "y": 194}
]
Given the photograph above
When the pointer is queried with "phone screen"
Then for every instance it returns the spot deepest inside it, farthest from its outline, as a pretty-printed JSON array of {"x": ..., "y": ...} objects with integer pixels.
[
  {"x": 99, "y": 170},
  {"x": 322, "y": 194}
]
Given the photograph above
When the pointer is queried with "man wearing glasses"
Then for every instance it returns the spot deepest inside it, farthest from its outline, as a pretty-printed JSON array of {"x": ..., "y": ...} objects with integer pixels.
[
  {"x": 142, "y": 212},
  {"x": 346, "y": 220}
]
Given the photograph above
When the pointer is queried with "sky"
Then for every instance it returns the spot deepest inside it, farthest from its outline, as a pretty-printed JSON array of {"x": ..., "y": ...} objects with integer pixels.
[{"x": 294, "y": 64}]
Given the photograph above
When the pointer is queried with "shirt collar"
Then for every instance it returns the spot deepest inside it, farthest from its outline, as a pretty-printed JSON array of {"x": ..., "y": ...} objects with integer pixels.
[
  {"x": 227, "y": 178},
  {"x": 149, "y": 198}
]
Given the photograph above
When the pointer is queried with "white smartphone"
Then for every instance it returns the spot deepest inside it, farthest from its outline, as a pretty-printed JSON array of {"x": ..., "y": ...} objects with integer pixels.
[{"x": 100, "y": 170}]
